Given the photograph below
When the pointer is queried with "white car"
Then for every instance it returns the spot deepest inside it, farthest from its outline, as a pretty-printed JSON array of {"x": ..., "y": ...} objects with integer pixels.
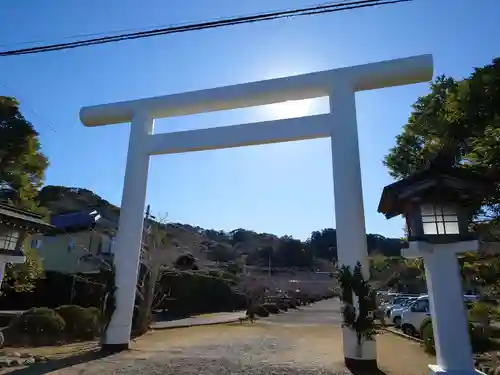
[
  {"x": 396, "y": 312},
  {"x": 413, "y": 316},
  {"x": 394, "y": 304}
]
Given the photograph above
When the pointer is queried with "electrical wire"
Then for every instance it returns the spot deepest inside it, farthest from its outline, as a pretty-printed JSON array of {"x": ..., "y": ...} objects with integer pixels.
[
  {"x": 313, "y": 10},
  {"x": 129, "y": 30}
]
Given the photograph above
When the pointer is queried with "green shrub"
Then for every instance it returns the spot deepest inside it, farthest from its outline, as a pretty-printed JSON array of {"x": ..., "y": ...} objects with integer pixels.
[
  {"x": 424, "y": 323},
  {"x": 198, "y": 293},
  {"x": 427, "y": 335},
  {"x": 272, "y": 308},
  {"x": 81, "y": 323},
  {"x": 480, "y": 338},
  {"x": 282, "y": 305},
  {"x": 479, "y": 312},
  {"x": 260, "y": 311},
  {"x": 37, "y": 326}
]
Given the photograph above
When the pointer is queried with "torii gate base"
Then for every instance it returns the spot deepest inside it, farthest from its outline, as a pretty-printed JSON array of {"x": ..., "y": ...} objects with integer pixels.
[{"x": 340, "y": 125}]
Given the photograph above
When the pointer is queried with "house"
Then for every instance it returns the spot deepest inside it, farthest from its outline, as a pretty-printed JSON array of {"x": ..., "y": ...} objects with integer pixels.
[
  {"x": 80, "y": 242},
  {"x": 15, "y": 227}
]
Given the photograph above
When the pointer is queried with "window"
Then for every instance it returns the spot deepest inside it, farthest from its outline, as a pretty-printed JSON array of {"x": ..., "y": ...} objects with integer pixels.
[
  {"x": 439, "y": 220},
  {"x": 407, "y": 302},
  {"x": 71, "y": 244},
  {"x": 9, "y": 239},
  {"x": 99, "y": 247},
  {"x": 422, "y": 305},
  {"x": 36, "y": 243},
  {"x": 111, "y": 243}
]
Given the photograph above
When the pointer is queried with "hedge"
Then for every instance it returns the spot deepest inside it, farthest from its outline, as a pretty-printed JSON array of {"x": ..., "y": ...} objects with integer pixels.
[
  {"x": 36, "y": 327},
  {"x": 478, "y": 335},
  {"x": 272, "y": 308},
  {"x": 43, "y": 326},
  {"x": 81, "y": 323},
  {"x": 199, "y": 292}
]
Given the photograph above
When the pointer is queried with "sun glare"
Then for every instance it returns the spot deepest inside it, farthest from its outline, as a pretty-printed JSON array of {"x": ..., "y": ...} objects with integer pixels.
[{"x": 295, "y": 108}]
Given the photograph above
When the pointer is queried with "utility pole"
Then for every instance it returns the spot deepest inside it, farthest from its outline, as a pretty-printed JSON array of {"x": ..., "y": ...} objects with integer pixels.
[
  {"x": 148, "y": 210},
  {"x": 145, "y": 228},
  {"x": 269, "y": 264}
]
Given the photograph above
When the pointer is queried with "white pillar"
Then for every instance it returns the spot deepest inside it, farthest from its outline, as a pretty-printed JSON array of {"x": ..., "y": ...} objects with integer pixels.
[
  {"x": 348, "y": 194},
  {"x": 127, "y": 246},
  {"x": 449, "y": 320}
]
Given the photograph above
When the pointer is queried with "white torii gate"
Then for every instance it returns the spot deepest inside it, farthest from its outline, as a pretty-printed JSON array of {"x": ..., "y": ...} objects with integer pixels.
[{"x": 340, "y": 125}]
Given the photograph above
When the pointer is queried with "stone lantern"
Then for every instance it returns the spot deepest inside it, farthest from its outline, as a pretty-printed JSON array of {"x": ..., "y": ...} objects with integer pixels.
[{"x": 437, "y": 204}]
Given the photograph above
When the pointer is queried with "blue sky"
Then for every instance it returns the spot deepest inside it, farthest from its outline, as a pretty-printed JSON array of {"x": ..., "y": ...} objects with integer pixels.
[{"x": 282, "y": 188}]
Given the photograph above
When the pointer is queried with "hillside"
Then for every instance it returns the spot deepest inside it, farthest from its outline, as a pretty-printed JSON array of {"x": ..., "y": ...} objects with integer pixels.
[{"x": 211, "y": 246}]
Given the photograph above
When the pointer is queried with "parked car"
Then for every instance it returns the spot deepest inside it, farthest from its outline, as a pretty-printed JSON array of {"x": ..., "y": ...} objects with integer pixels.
[
  {"x": 396, "y": 312},
  {"x": 412, "y": 316},
  {"x": 394, "y": 304}
]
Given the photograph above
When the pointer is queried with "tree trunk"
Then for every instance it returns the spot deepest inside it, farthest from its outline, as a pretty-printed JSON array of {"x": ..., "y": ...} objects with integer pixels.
[{"x": 148, "y": 290}]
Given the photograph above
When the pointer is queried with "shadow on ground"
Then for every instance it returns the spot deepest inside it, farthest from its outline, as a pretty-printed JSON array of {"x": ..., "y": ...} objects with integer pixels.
[
  {"x": 58, "y": 364},
  {"x": 358, "y": 371}
]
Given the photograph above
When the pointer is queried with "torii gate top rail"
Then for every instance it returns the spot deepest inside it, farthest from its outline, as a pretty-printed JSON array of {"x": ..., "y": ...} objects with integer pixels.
[{"x": 370, "y": 76}]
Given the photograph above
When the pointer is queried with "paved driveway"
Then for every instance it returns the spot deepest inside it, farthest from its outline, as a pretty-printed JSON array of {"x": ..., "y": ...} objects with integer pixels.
[{"x": 323, "y": 312}]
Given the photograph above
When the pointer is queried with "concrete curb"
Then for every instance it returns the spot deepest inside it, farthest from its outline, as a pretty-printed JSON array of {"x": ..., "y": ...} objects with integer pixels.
[
  {"x": 401, "y": 334},
  {"x": 187, "y": 325}
]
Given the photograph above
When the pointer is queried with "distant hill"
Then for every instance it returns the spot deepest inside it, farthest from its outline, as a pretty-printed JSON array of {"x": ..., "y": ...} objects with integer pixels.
[{"x": 240, "y": 245}]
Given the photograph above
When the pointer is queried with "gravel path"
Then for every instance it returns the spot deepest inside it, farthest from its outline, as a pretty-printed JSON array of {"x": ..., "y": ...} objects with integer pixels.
[
  {"x": 232, "y": 349},
  {"x": 246, "y": 350},
  {"x": 297, "y": 346}
]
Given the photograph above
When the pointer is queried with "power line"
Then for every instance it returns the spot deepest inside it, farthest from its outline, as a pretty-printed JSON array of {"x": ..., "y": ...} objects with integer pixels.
[
  {"x": 129, "y": 30},
  {"x": 318, "y": 9}
]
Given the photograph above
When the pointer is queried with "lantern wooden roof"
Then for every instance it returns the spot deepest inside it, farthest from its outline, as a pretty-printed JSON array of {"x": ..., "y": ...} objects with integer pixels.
[
  {"x": 452, "y": 184},
  {"x": 26, "y": 220}
]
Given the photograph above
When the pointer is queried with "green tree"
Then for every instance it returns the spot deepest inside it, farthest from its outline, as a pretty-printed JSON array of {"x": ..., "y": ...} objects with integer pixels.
[
  {"x": 464, "y": 117},
  {"x": 21, "y": 277},
  {"x": 22, "y": 164},
  {"x": 22, "y": 168}
]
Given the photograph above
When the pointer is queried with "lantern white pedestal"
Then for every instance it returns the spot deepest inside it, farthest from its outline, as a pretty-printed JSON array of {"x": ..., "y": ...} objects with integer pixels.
[
  {"x": 437, "y": 370},
  {"x": 448, "y": 313}
]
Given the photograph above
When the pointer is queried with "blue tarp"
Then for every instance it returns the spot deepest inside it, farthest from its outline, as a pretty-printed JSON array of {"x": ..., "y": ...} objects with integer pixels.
[{"x": 80, "y": 219}]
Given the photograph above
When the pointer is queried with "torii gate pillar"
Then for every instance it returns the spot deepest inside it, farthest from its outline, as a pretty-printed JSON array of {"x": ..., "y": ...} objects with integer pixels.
[{"x": 340, "y": 125}]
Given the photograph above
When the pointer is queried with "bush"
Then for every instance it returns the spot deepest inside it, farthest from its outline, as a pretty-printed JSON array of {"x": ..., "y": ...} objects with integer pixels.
[
  {"x": 37, "y": 326},
  {"x": 260, "y": 311},
  {"x": 427, "y": 335},
  {"x": 282, "y": 305},
  {"x": 480, "y": 339},
  {"x": 479, "y": 312},
  {"x": 271, "y": 308},
  {"x": 199, "y": 293},
  {"x": 81, "y": 323},
  {"x": 424, "y": 323}
]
